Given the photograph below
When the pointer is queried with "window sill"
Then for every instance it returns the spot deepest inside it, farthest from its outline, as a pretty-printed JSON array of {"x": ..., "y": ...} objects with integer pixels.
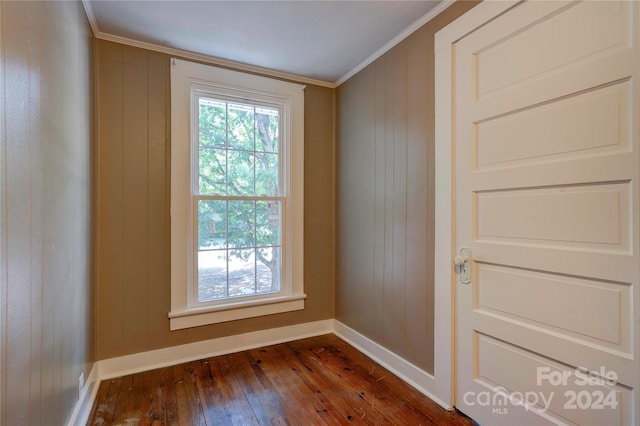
[{"x": 196, "y": 317}]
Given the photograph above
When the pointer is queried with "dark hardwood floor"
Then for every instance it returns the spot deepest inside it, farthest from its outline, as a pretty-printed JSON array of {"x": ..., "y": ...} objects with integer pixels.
[{"x": 316, "y": 381}]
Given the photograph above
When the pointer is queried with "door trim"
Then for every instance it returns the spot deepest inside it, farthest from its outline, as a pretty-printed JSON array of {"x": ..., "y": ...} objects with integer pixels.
[{"x": 444, "y": 366}]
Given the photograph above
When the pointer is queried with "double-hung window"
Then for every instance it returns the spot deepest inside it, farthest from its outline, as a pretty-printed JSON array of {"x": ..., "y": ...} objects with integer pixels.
[{"x": 236, "y": 195}]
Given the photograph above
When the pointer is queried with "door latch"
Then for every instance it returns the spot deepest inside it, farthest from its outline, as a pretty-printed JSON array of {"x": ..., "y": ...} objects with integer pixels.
[{"x": 463, "y": 263}]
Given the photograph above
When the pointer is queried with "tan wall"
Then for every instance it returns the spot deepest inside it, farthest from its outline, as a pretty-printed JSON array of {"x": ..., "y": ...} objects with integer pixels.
[
  {"x": 46, "y": 148},
  {"x": 133, "y": 285},
  {"x": 385, "y": 204}
]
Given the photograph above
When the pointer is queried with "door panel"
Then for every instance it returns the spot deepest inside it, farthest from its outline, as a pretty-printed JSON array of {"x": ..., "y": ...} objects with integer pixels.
[
  {"x": 588, "y": 124},
  {"x": 595, "y": 30},
  {"x": 577, "y": 216},
  {"x": 545, "y": 115},
  {"x": 547, "y": 397},
  {"x": 602, "y": 317}
]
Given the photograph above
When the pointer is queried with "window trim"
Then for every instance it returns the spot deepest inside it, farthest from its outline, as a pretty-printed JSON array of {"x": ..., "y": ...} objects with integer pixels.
[{"x": 188, "y": 78}]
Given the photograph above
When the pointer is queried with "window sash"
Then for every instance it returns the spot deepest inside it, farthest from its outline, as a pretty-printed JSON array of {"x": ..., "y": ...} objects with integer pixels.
[
  {"x": 194, "y": 285},
  {"x": 197, "y": 93}
]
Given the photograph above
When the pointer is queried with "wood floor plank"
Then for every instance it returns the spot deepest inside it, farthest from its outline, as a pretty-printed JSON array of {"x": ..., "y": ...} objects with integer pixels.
[
  {"x": 189, "y": 403},
  {"x": 299, "y": 404},
  {"x": 276, "y": 405},
  {"x": 128, "y": 405},
  {"x": 315, "y": 381},
  {"x": 264, "y": 402},
  {"x": 368, "y": 385},
  {"x": 339, "y": 409},
  {"x": 213, "y": 403},
  {"x": 237, "y": 406},
  {"x": 356, "y": 392},
  {"x": 153, "y": 403},
  {"x": 402, "y": 403},
  {"x": 332, "y": 408},
  {"x": 170, "y": 398},
  {"x": 103, "y": 406},
  {"x": 378, "y": 384}
]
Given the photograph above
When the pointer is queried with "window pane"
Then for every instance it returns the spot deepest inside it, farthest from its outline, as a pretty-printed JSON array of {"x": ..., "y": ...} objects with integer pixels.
[
  {"x": 267, "y": 124},
  {"x": 269, "y": 268},
  {"x": 212, "y": 123},
  {"x": 241, "y": 173},
  {"x": 212, "y": 275},
  {"x": 241, "y": 224},
  {"x": 212, "y": 171},
  {"x": 242, "y": 272},
  {"x": 241, "y": 126},
  {"x": 212, "y": 224},
  {"x": 268, "y": 220},
  {"x": 267, "y": 174}
]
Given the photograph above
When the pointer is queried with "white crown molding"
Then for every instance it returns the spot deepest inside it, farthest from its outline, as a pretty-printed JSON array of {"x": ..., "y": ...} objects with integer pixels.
[
  {"x": 239, "y": 66},
  {"x": 441, "y": 6},
  {"x": 91, "y": 17}
]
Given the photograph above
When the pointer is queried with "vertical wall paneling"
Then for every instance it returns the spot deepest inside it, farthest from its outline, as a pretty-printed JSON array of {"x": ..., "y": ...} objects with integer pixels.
[
  {"x": 390, "y": 324},
  {"x": 355, "y": 254},
  {"x": 49, "y": 290},
  {"x": 37, "y": 216},
  {"x": 158, "y": 184},
  {"x": 319, "y": 201},
  {"x": 418, "y": 256},
  {"x": 387, "y": 198},
  {"x": 428, "y": 126},
  {"x": 135, "y": 107},
  {"x": 3, "y": 230},
  {"x": 133, "y": 287},
  {"x": 380, "y": 179},
  {"x": 399, "y": 191},
  {"x": 46, "y": 288},
  {"x": 109, "y": 193},
  {"x": 18, "y": 221}
]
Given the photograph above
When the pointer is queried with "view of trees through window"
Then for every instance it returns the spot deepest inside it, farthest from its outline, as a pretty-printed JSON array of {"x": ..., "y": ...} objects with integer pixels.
[{"x": 239, "y": 203}]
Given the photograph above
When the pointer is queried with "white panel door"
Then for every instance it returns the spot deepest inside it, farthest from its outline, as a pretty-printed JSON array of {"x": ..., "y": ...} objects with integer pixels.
[{"x": 546, "y": 167}]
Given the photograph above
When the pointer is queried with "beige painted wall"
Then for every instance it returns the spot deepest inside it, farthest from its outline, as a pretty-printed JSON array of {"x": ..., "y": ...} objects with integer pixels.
[
  {"x": 385, "y": 196},
  {"x": 46, "y": 138},
  {"x": 133, "y": 285}
]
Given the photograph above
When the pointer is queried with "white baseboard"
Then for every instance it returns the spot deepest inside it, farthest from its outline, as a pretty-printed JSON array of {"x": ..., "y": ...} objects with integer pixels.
[
  {"x": 144, "y": 361},
  {"x": 414, "y": 376},
  {"x": 88, "y": 393}
]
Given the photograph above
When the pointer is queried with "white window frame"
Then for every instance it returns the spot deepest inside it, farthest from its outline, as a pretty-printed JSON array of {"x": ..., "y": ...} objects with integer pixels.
[{"x": 187, "y": 78}]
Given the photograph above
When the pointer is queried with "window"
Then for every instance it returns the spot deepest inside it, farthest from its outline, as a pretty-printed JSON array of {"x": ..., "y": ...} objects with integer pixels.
[{"x": 236, "y": 195}]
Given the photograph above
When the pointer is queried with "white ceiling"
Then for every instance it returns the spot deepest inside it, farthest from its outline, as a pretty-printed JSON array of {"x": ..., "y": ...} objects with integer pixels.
[{"x": 320, "y": 40}]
